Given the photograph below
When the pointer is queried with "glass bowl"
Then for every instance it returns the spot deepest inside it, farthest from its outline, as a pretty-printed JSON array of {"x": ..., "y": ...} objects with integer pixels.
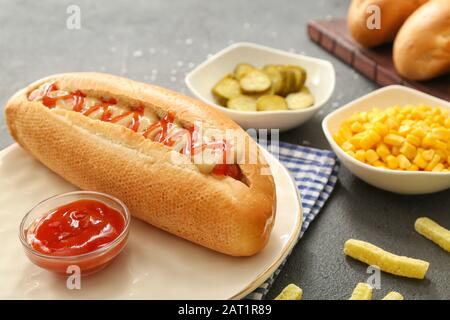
[{"x": 87, "y": 263}]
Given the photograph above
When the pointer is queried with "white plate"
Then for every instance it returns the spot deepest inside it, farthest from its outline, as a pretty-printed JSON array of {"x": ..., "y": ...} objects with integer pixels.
[
  {"x": 404, "y": 182},
  {"x": 320, "y": 80},
  {"x": 154, "y": 265}
]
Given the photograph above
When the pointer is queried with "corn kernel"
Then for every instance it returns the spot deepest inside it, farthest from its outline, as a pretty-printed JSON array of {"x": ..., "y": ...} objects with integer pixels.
[
  {"x": 400, "y": 117},
  {"x": 408, "y": 150},
  {"x": 417, "y": 114},
  {"x": 441, "y": 133},
  {"x": 447, "y": 123},
  {"x": 420, "y": 161},
  {"x": 403, "y": 162},
  {"x": 362, "y": 117},
  {"x": 419, "y": 132},
  {"x": 382, "y": 150},
  {"x": 351, "y": 153},
  {"x": 357, "y": 127},
  {"x": 436, "y": 111},
  {"x": 381, "y": 128},
  {"x": 374, "y": 136},
  {"x": 433, "y": 163},
  {"x": 406, "y": 109},
  {"x": 392, "y": 123},
  {"x": 379, "y": 164},
  {"x": 339, "y": 140},
  {"x": 428, "y": 154},
  {"x": 392, "y": 162},
  {"x": 345, "y": 132},
  {"x": 428, "y": 141},
  {"x": 408, "y": 122},
  {"x": 442, "y": 153},
  {"x": 360, "y": 155},
  {"x": 404, "y": 130},
  {"x": 438, "y": 144},
  {"x": 414, "y": 140},
  {"x": 393, "y": 139},
  {"x": 371, "y": 156},
  {"x": 348, "y": 146},
  {"x": 413, "y": 167},
  {"x": 438, "y": 168},
  {"x": 353, "y": 118},
  {"x": 395, "y": 150},
  {"x": 366, "y": 142},
  {"x": 378, "y": 118},
  {"x": 356, "y": 140}
]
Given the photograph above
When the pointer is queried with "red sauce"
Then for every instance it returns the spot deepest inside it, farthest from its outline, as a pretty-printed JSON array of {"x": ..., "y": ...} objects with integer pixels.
[
  {"x": 163, "y": 126},
  {"x": 78, "y": 101},
  {"x": 76, "y": 228},
  {"x": 231, "y": 170}
]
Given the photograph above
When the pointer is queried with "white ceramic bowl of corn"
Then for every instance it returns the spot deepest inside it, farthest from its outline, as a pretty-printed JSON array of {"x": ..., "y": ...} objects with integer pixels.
[
  {"x": 320, "y": 81},
  {"x": 399, "y": 181}
]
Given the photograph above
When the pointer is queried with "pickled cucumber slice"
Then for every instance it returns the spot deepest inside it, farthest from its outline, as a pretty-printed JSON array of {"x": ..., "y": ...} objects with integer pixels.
[
  {"x": 300, "y": 100},
  {"x": 304, "y": 77},
  {"x": 300, "y": 77},
  {"x": 291, "y": 81},
  {"x": 284, "y": 81},
  {"x": 271, "y": 102},
  {"x": 274, "y": 73},
  {"x": 242, "y": 69},
  {"x": 255, "y": 81},
  {"x": 242, "y": 103},
  {"x": 226, "y": 88}
]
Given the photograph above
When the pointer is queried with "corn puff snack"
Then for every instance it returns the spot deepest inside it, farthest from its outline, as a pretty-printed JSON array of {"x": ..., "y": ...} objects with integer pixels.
[
  {"x": 291, "y": 292},
  {"x": 363, "y": 291},
  {"x": 434, "y": 232},
  {"x": 393, "y": 296},
  {"x": 386, "y": 261}
]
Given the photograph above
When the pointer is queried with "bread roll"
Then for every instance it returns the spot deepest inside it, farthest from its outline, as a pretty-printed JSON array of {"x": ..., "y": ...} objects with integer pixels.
[
  {"x": 422, "y": 46},
  {"x": 392, "y": 15}
]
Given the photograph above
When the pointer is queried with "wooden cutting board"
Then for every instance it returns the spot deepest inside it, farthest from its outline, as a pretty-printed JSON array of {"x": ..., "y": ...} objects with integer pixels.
[{"x": 376, "y": 64}]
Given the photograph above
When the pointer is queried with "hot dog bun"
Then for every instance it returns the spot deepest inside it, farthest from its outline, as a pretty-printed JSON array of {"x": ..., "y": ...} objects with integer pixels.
[
  {"x": 422, "y": 46},
  {"x": 392, "y": 15},
  {"x": 224, "y": 214}
]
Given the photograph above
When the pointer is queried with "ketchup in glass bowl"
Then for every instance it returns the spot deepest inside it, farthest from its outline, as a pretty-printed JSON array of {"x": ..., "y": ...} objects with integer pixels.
[{"x": 84, "y": 229}]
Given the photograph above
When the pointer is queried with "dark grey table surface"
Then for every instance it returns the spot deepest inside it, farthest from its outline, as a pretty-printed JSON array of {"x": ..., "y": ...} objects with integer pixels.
[{"x": 160, "y": 41}]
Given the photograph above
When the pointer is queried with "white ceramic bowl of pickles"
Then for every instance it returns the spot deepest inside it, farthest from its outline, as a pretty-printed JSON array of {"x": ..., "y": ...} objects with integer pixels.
[{"x": 287, "y": 102}]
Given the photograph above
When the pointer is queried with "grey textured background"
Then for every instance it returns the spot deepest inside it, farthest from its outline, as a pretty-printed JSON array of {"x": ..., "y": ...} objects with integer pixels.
[{"x": 159, "y": 41}]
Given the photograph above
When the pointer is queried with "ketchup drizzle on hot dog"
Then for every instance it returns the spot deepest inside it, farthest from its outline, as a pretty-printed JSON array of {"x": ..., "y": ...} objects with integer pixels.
[
  {"x": 93, "y": 109},
  {"x": 163, "y": 126},
  {"x": 78, "y": 101},
  {"x": 46, "y": 99}
]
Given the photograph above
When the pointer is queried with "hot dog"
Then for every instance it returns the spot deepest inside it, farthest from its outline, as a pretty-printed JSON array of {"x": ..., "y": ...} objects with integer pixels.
[{"x": 169, "y": 157}]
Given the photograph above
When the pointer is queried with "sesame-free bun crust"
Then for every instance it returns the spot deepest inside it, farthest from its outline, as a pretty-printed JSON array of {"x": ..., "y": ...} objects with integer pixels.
[
  {"x": 422, "y": 46},
  {"x": 223, "y": 214},
  {"x": 392, "y": 15}
]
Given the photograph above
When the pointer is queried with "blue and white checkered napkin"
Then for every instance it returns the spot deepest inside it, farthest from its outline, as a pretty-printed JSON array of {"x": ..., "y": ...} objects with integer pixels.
[{"x": 315, "y": 173}]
